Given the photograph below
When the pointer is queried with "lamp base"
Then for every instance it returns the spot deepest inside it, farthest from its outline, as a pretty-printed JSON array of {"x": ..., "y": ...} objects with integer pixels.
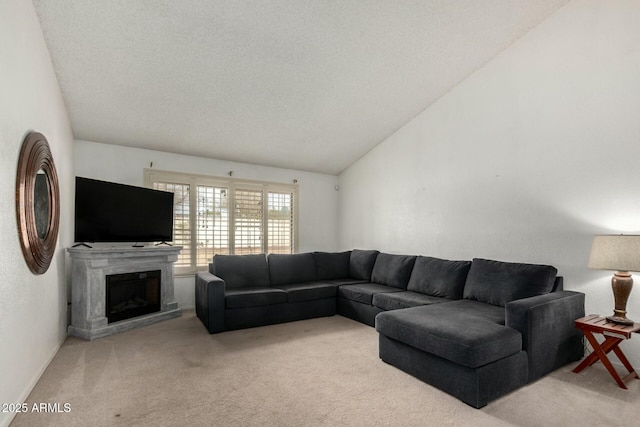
[
  {"x": 620, "y": 320},
  {"x": 621, "y": 283}
]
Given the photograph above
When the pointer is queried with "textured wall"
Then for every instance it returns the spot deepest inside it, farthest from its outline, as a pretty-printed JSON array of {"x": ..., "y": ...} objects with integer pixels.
[
  {"x": 525, "y": 160},
  {"x": 33, "y": 309}
]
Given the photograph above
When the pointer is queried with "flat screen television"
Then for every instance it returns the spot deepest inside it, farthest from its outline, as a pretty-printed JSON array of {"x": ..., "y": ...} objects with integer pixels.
[{"x": 110, "y": 212}]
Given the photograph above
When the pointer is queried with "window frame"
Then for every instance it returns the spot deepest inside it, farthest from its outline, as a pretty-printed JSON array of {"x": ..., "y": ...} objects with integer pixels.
[{"x": 193, "y": 180}]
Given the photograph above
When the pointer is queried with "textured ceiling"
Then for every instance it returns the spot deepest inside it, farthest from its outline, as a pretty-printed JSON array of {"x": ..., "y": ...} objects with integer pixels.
[{"x": 301, "y": 84}]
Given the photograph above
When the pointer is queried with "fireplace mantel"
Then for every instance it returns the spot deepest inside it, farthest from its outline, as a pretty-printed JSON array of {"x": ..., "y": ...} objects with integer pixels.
[{"x": 89, "y": 268}]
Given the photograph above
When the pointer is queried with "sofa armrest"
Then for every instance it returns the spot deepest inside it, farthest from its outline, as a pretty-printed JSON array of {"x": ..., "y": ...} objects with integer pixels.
[
  {"x": 546, "y": 323},
  {"x": 210, "y": 292}
]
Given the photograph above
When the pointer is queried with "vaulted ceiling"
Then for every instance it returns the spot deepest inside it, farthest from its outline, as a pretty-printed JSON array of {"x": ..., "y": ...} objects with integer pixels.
[{"x": 301, "y": 84}]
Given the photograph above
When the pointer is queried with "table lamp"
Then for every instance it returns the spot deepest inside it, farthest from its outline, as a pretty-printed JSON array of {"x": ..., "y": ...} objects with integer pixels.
[{"x": 620, "y": 253}]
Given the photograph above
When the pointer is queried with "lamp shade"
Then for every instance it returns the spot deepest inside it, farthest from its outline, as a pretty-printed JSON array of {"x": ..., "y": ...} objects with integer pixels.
[{"x": 615, "y": 252}]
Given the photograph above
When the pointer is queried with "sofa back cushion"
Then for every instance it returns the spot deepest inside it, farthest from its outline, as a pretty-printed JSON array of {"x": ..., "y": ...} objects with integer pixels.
[
  {"x": 334, "y": 265},
  {"x": 285, "y": 269},
  {"x": 241, "y": 271},
  {"x": 439, "y": 277},
  {"x": 361, "y": 263},
  {"x": 497, "y": 283},
  {"x": 393, "y": 270}
]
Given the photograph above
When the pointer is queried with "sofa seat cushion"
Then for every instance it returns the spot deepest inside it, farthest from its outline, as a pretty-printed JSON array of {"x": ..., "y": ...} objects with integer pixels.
[
  {"x": 364, "y": 292},
  {"x": 465, "y": 338},
  {"x": 253, "y": 297},
  {"x": 497, "y": 282},
  {"x": 477, "y": 310},
  {"x": 345, "y": 281},
  {"x": 405, "y": 299},
  {"x": 308, "y": 291}
]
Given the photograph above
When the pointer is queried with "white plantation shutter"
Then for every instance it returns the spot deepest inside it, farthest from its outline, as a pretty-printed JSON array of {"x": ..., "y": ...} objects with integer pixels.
[
  {"x": 227, "y": 216},
  {"x": 181, "y": 222},
  {"x": 248, "y": 221},
  {"x": 280, "y": 224},
  {"x": 212, "y": 223}
]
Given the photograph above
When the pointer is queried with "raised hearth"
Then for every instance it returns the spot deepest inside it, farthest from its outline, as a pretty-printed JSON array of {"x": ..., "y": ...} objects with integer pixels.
[{"x": 93, "y": 268}]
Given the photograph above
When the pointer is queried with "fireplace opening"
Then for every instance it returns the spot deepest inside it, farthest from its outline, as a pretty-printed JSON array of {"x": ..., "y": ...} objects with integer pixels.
[{"x": 132, "y": 295}]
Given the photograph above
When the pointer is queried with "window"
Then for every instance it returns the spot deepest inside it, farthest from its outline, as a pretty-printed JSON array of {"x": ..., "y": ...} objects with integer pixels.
[
  {"x": 227, "y": 216},
  {"x": 181, "y": 227},
  {"x": 212, "y": 223},
  {"x": 280, "y": 222},
  {"x": 249, "y": 220}
]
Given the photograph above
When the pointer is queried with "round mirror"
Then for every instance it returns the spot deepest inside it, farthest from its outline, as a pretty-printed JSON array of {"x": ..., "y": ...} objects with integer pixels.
[{"x": 37, "y": 202}]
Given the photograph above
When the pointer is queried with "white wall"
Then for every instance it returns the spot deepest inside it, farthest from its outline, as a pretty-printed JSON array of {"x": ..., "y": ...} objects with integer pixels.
[
  {"x": 524, "y": 161},
  {"x": 33, "y": 309},
  {"x": 318, "y": 204}
]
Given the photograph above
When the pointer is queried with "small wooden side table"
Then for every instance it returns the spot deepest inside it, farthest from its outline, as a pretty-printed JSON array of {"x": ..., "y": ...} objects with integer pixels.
[{"x": 614, "y": 334}]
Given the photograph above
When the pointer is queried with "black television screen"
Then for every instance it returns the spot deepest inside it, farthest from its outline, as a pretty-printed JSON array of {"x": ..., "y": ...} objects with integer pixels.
[{"x": 110, "y": 212}]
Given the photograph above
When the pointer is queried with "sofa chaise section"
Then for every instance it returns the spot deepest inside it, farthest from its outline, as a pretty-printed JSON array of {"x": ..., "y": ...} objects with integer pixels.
[{"x": 511, "y": 326}]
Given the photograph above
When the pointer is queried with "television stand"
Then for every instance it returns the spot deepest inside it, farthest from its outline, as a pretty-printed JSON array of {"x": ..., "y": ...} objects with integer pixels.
[
  {"x": 89, "y": 271},
  {"x": 163, "y": 243}
]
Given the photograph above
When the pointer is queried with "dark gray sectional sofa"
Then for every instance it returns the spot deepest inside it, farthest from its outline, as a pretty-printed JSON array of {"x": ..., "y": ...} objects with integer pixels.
[{"x": 475, "y": 329}]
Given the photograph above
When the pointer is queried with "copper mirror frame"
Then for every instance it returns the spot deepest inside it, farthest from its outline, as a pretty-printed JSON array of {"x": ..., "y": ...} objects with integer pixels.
[{"x": 37, "y": 202}]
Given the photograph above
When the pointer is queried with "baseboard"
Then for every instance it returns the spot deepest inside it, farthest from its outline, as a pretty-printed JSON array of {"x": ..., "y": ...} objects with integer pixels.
[{"x": 27, "y": 391}]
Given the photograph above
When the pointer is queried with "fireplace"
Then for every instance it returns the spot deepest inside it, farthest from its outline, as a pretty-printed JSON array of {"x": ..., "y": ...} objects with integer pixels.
[
  {"x": 90, "y": 268},
  {"x": 132, "y": 294}
]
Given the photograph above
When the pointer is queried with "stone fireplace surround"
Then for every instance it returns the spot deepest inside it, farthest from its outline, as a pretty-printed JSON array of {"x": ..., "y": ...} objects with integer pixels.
[{"x": 89, "y": 269}]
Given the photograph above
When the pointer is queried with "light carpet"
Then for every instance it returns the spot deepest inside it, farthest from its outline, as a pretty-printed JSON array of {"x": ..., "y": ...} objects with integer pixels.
[{"x": 319, "y": 372}]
